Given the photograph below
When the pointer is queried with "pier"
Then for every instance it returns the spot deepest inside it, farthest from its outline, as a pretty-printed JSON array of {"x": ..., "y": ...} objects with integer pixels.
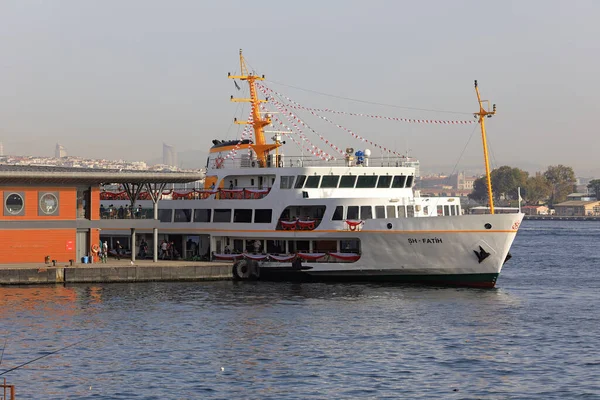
[{"x": 114, "y": 271}]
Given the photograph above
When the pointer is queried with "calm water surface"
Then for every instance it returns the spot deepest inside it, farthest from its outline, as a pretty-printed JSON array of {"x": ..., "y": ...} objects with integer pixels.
[{"x": 536, "y": 336}]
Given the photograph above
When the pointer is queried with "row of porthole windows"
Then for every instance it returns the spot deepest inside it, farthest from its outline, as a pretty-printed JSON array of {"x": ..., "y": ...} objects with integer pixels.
[
  {"x": 366, "y": 212},
  {"x": 14, "y": 203},
  {"x": 241, "y": 215},
  {"x": 347, "y": 181}
]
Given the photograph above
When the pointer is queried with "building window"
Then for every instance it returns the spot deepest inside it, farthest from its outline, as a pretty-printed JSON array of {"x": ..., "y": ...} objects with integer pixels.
[
  {"x": 202, "y": 214},
  {"x": 263, "y": 216},
  {"x": 300, "y": 182},
  {"x": 165, "y": 215},
  {"x": 48, "y": 203},
  {"x": 398, "y": 181},
  {"x": 14, "y": 203},
  {"x": 366, "y": 181},
  {"x": 338, "y": 214},
  {"x": 366, "y": 212},
  {"x": 352, "y": 212},
  {"x": 222, "y": 215},
  {"x": 83, "y": 203},
  {"x": 312, "y": 182},
  {"x": 183, "y": 215},
  {"x": 242, "y": 215},
  {"x": 330, "y": 181},
  {"x": 347, "y": 181},
  {"x": 384, "y": 181},
  {"x": 379, "y": 212}
]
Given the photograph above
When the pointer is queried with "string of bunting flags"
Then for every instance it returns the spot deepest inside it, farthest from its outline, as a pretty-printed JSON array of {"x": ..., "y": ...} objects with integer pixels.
[
  {"x": 397, "y": 119},
  {"x": 353, "y": 134},
  {"x": 293, "y": 117}
]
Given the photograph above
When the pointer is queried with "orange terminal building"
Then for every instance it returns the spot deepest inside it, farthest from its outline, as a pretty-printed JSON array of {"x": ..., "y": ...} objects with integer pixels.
[{"x": 53, "y": 213}]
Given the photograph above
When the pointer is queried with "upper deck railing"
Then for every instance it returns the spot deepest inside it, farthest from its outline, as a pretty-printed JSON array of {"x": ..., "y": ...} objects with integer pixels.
[{"x": 283, "y": 161}]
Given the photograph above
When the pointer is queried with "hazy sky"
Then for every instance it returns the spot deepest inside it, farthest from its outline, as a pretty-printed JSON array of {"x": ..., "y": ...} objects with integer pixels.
[{"x": 116, "y": 78}]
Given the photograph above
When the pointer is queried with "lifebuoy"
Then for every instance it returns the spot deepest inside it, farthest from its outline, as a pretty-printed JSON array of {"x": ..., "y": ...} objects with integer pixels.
[
  {"x": 253, "y": 164},
  {"x": 241, "y": 270},
  {"x": 95, "y": 248},
  {"x": 219, "y": 162},
  {"x": 352, "y": 227}
]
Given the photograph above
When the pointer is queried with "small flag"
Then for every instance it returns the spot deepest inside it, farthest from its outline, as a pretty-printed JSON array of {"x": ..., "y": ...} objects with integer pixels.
[{"x": 236, "y": 85}]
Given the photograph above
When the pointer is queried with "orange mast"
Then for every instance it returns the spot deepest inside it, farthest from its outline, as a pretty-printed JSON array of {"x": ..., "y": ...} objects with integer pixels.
[{"x": 260, "y": 146}]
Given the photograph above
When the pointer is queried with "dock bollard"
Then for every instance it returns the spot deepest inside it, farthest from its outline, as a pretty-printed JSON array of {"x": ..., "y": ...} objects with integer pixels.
[
  {"x": 71, "y": 262},
  {"x": 54, "y": 263},
  {"x": 47, "y": 260}
]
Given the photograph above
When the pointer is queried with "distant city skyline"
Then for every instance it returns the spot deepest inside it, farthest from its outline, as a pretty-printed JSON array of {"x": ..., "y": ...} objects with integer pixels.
[
  {"x": 116, "y": 80},
  {"x": 169, "y": 155}
]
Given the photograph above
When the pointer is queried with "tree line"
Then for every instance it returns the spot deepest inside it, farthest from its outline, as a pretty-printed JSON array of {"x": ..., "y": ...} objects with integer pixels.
[{"x": 551, "y": 187}]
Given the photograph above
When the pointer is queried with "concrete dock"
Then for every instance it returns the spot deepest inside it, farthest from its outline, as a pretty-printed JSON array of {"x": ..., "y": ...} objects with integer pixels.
[{"x": 114, "y": 271}]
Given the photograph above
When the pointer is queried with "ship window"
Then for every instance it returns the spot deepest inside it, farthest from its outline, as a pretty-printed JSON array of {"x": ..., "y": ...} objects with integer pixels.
[
  {"x": 379, "y": 212},
  {"x": 330, "y": 181},
  {"x": 338, "y": 214},
  {"x": 401, "y": 212},
  {"x": 426, "y": 210},
  {"x": 384, "y": 181},
  {"x": 252, "y": 182},
  {"x": 398, "y": 181},
  {"x": 300, "y": 182},
  {"x": 222, "y": 215},
  {"x": 350, "y": 246},
  {"x": 352, "y": 212},
  {"x": 286, "y": 182},
  {"x": 183, "y": 215},
  {"x": 202, "y": 214},
  {"x": 14, "y": 204},
  {"x": 263, "y": 216},
  {"x": 312, "y": 182},
  {"x": 409, "y": 181},
  {"x": 366, "y": 212},
  {"x": 242, "y": 215},
  {"x": 366, "y": 181},
  {"x": 302, "y": 245},
  {"x": 447, "y": 210},
  {"x": 440, "y": 210},
  {"x": 165, "y": 215},
  {"x": 348, "y": 181},
  {"x": 410, "y": 211},
  {"x": 391, "y": 212}
]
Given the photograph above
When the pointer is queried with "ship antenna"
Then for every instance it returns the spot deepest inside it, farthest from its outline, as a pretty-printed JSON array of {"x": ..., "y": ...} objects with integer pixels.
[
  {"x": 481, "y": 115},
  {"x": 260, "y": 146}
]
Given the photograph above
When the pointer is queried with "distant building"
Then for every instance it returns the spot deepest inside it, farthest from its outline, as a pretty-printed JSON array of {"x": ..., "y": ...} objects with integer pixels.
[
  {"x": 60, "y": 151},
  {"x": 497, "y": 210},
  {"x": 535, "y": 210},
  {"x": 578, "y": 208},
  {"x": 169, "y": 155},
  {"x": 580, "y": 197}
]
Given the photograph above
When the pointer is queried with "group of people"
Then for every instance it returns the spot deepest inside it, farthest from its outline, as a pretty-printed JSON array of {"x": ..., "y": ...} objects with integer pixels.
[
  {"x": 168, "y": 250},
  {"x": 121, "y": 212}
]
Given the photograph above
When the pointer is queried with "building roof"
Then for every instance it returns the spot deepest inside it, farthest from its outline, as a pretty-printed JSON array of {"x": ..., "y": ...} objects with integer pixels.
[
  {"x": 27, "y": 174},
  {"x": 575, "y": 203}
]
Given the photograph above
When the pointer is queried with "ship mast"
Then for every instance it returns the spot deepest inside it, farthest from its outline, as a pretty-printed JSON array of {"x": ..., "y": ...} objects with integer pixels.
[
  {"x": 260, "y": 146},
  {"x": 481, "y": 115}
]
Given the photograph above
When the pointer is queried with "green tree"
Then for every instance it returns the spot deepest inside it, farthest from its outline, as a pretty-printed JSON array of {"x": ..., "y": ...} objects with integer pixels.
[
  {"x": 594, "y": 186},
  {"x": 562, "y": 182},
  {"x": 537, "y": 189},
  {"x": 505, "y": 181},
  {"x": 479, "y": 192}
]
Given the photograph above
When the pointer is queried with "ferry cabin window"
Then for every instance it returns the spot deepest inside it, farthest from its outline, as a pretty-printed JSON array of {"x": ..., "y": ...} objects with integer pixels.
[
  {"x": 384, "y": 181},
  {"x": 352, "y": 212},
  {"x": 286, "y": 182},
  {"x": 379, "y": 212},
  {"x": 366, "y": 212},
  {"x": 300, "y": 182},
  {"x": 165, "y": 215},
  {"x": 446, "y": 210},
  {"x": 222, "y": 215},
  {"x": 330, "y": 181},
  {"x": 410, "y": 211},
  {"x": 366, "y": 181},
  {"x": 426, "y": 210},
  {"x": 251, "y": 182},
  {"x": 347, "y": 181},
  {"x": 391, "y": 212},
  {"x": 409, "y": 181},
  {"x": 338, "y": 214},
  {"x": 440, "y": 210},
  {"x": 401, "y": 211},
  {"x": 183, "y": 215},
  {"x": 312, "y": 182},
  {"x": 202, "y": 214},
  {"x": 242, "y": 215},
  {"x": 350, "y": 246},
  {"x": 398, "y": 181},
  {"x": 263, "y": 216}
]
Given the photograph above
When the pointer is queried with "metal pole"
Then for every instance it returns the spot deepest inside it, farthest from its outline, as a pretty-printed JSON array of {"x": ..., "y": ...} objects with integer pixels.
[
  {"x": 155, "y": 232},
  {"x": 133, "y": 244}
]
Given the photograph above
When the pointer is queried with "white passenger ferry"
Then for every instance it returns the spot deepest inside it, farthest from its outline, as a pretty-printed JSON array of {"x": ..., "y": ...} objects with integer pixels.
[{"x": 354, "y": 218}]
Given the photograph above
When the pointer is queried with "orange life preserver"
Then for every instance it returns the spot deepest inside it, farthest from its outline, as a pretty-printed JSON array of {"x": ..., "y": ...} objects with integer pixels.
[{"x": 95, "y": 248}]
